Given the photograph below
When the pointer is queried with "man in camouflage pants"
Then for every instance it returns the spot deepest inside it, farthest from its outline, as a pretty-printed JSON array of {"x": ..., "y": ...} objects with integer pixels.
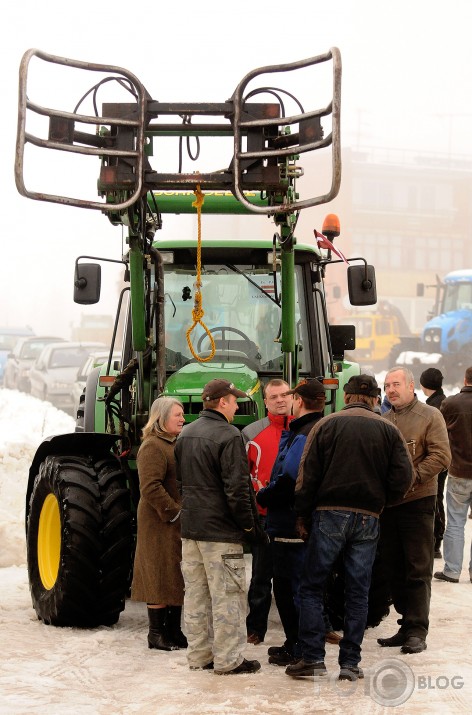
[{"x": 218, "y": 513}]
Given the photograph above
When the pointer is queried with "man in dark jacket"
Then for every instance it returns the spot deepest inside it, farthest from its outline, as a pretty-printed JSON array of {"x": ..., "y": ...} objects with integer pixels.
[
  {"x": 457, "y": 412},
  {"x": 218, "y": 514},
  {"x": 353, "y": 464},
  {"x": 431, "y": 383},
  {"x": 288, "y": 550}
]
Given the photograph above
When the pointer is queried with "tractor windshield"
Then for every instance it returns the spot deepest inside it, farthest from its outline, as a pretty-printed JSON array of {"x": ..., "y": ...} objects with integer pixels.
[
  {"x": 458, "y": 296},
  {"x": 240, "y": 311}
]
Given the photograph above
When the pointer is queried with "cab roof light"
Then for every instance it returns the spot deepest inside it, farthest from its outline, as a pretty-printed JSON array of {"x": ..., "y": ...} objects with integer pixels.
[{"x": 331, "y": 226}]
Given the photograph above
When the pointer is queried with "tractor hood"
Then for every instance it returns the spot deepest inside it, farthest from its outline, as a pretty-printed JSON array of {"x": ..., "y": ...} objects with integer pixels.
[
  {"x": 187, "y": 386},
  {"x": 192, "y": 378}
]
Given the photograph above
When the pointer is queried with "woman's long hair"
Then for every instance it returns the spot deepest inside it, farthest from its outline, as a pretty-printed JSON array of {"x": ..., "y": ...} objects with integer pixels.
[{"x": 159, "y": 415}]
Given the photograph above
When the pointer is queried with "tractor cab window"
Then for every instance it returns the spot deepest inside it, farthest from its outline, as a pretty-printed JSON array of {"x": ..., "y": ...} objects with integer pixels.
[
  {"x": 240, "y": 312},
  {"x": 458, "y": 296}
]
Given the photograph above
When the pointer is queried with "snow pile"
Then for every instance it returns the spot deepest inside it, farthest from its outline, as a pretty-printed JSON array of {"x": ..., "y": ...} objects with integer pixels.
[
  {"x": 24, "y": 423},
  {"x": 110, "y": 670}
]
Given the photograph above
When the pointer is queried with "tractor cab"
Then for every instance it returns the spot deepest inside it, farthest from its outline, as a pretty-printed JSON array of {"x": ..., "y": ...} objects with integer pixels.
[{"x": 240, "y": 335}]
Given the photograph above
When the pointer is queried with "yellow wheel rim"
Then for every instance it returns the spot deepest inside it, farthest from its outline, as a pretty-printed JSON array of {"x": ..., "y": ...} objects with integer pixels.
[{"x": 49, "y": 541}]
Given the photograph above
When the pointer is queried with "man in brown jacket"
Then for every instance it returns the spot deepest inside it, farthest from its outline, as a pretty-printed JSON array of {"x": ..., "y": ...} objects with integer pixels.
[{"x": 407, "y": 528}]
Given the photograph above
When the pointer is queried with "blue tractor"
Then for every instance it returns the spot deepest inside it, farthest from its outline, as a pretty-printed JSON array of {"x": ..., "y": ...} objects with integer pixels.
[{"x": 446, "y": 339}]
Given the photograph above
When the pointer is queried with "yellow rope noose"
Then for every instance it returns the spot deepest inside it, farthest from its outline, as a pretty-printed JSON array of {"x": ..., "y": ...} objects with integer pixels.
[{"x": 198, "y": 312}]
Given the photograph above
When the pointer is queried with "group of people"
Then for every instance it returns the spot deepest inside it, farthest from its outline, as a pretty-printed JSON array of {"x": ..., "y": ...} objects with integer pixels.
[{"x": 303, "y": 492}]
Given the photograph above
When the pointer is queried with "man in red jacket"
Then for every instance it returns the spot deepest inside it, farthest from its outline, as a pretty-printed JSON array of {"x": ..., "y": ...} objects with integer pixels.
[{"x": 262, "y": 444}]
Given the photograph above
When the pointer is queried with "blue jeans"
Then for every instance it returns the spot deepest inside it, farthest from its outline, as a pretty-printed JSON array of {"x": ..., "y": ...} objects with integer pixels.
[
  {"x": 458, "y": 500},
  {"x": 332, "y": 532}
]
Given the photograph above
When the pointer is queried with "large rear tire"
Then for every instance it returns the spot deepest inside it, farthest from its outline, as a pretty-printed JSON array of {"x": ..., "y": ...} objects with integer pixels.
[{"x": 79, "y": 541}]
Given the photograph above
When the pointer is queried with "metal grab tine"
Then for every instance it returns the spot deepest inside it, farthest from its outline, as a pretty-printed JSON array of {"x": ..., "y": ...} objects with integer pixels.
[
  {"x": 23, "y": 137},
  {"x": 333, "y": 139},
  {"x": 268, "y": 166}
]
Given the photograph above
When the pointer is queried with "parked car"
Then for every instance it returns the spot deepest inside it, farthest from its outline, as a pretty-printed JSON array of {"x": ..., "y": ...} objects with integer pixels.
[
  {"x": 95, "y": 359},
  {"x": 20, "y": 360},
  {"x": 8, "y": 339},
  {"x": 55, "y": 370}
]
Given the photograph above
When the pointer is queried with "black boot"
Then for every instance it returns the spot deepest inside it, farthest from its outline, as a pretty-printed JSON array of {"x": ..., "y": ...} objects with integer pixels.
[
  {"x": 173, "y": 629},
  {"x": 157, "y": 636}
]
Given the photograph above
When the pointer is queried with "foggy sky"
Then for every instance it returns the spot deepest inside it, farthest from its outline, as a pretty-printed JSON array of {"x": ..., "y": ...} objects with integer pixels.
[{"x": 407, "y": 74}]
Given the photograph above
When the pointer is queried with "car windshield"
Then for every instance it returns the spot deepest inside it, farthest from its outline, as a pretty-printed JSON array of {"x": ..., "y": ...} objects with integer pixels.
[
  {"x": 95, "y": 361},
  {"x": 30, "y": 351},
  {"x": 8, "y": 342},
  {"x": 67, "y": 357},
  {"x": 240, "y": 311}
]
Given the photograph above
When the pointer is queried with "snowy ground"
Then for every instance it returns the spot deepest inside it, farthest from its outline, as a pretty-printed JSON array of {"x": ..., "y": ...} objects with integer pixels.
[{"x": 110, "y": 671}]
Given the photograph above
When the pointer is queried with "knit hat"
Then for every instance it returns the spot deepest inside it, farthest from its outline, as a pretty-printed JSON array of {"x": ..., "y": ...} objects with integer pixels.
[
  {"x": 215, "y": 389},
  {"x": 362, "y": 385},
  {"x": 312, "y": 389},
  {"x": 431, "y": 378}
]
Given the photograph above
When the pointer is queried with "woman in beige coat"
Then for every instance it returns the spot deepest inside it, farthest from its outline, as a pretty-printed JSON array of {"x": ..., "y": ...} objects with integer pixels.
[{"x": 157, "y": 578}]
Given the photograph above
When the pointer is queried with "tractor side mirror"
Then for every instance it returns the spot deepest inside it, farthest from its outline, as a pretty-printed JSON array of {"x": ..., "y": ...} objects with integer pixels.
[
  {"x": 361, "y": 285},
  {"x": 419, "y": 290},
  {"x": 87, "y": 283}
]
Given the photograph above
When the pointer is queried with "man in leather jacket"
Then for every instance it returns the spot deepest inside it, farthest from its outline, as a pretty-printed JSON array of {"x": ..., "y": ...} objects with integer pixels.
[{"x": 218, "y": 514}]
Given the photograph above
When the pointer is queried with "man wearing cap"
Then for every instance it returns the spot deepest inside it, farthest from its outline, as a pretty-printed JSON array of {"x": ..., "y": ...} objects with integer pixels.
[
  {"x": 353, "y": 464},
  {"x": 218, "y": 514},
  {"x": 457, "y": 412},
  {"x": 431, "y": 383},
  {"x": 407, "y": 527},
  {"x": 287, "y": 548}
]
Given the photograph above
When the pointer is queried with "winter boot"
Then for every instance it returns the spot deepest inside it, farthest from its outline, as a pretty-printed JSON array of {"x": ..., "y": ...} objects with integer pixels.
[
  {"x": 173, "y": 629},
  {"x": 157, "y": 636}
]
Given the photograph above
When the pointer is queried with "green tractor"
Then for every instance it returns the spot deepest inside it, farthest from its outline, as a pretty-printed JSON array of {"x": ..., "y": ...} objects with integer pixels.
[{"x": 194, "y": 309}]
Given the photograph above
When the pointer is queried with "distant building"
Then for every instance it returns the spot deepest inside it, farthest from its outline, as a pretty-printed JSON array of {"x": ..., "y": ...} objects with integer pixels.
[{"x": 410, "y": 215}]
